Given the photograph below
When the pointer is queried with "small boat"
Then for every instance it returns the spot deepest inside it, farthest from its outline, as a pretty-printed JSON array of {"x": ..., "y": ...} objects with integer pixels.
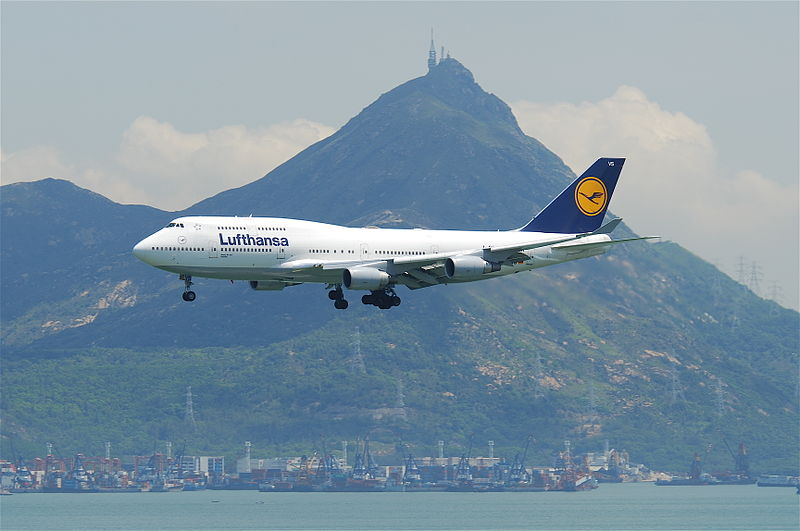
[{"x": 776, "y": 480}]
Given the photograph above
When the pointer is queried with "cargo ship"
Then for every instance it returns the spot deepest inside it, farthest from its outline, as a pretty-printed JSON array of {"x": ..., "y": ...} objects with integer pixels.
[{"x": 696, "y": 476}]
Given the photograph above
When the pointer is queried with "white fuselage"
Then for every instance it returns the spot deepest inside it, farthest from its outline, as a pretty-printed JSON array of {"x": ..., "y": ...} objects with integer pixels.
[
  {"x": 274, "y": 253},
  {"x": 290, "y": 250}
]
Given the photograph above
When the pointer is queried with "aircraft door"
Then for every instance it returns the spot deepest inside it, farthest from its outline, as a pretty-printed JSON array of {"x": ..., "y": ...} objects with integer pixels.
[
  {"x": 213, "y": 249},
  {"x": 365, "y": 251},
  {"x": 281, "y": 254}
]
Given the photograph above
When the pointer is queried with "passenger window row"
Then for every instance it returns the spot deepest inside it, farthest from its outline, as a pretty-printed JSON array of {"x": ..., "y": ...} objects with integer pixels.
[
  {"x": 328, "y": 251},
  {"x": 401, "y": 253},
  {"x": 245, "y": 228}
]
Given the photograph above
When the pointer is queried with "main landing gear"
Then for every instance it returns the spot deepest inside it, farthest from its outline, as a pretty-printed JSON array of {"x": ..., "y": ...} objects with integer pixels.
[
  {"x": 188, "y": 294},
  {"x": 383, "y": 299},
  {"x": 337, "y": 296}
]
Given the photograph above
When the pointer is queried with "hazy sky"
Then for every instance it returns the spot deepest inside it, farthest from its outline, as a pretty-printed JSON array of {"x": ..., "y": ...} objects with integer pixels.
[{"x": 168, "y": 103}]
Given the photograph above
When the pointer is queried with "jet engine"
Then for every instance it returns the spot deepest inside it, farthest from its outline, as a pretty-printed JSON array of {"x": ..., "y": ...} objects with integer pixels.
[
  {"x": 468, "y": 267},
  {"x": 267, "y": 285},
  {"x": 365, "y": 278}
]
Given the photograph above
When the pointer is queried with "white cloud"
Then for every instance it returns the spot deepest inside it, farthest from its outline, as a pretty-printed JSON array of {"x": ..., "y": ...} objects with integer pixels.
[
  {"x": 177, "y": 169},
  {"x": 158, "y": 165},
  {"x": 672, "y": 184}
]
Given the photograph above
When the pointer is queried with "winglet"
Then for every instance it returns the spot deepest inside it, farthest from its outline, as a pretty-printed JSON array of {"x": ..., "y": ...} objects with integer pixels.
[{"x": 582, "y": 205}]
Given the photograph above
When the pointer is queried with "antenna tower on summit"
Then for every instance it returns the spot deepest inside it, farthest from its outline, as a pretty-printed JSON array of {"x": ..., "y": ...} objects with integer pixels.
[{"x": 432, "y": 53}]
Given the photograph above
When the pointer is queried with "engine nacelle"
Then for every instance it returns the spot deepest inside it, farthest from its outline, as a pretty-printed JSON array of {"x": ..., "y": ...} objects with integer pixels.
[
  {"x": 468, "y": 267},
  {"x": 267, "y": 285},
  {"x": 365, "y": 278}
]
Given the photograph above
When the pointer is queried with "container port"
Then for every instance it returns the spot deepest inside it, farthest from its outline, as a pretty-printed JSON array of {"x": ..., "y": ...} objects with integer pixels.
[{"x": 328, "y": 472}]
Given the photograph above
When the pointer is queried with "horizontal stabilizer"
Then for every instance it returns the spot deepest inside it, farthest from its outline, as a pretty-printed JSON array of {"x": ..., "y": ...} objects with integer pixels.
[{"x": 609, "y": 227}]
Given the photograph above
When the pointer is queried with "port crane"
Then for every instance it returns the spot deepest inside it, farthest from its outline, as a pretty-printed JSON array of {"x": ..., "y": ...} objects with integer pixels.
[
  {"x": 741, "y": 460},
  {"x": 411, "y": 473},
  {"x": 518, "y": 474},
  {"x": 464, "y": 471},
  {"x": 364, "y": 466}
]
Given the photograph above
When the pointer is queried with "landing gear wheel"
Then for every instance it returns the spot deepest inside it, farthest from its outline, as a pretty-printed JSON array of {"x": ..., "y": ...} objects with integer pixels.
[
  {"x": 383, "y": 299},
  {"x": 188, "y": 294},
  {"x": 337, "y": 296}
]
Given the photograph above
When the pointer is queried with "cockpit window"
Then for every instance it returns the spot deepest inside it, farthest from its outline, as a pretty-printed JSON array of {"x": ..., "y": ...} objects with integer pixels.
[{"x": 173, "y": 224}]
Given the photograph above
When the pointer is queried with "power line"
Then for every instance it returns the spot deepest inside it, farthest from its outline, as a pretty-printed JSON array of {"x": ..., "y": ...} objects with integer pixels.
[
  {"x": 592, "y": 403},
  {"x": 754, "y": 280},
  {"x": 537, "y": 377},
  {"x": 720, "y": 398},
  {"x": 676, "y": 390},
  {"x": 189, "y": 416},
  {"x": 357, "y": 361}
]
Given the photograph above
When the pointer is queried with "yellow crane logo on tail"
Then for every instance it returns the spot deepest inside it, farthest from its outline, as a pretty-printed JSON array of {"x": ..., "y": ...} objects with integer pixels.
[{"x": 591, "y": 196}]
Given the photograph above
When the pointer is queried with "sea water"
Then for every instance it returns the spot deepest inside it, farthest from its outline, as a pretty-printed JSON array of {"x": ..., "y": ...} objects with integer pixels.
[{"x": 611, "y": 507}]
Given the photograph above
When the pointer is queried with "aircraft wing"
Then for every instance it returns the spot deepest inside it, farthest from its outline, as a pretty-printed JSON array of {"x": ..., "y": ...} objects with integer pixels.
[
  {"x": 584, "y": 246},
  {"x": 415, "y": 272},
  {"x": 421, "y": 271},
  {"x": 502, "y": 253},
  {"x": 428, "y": 270}
]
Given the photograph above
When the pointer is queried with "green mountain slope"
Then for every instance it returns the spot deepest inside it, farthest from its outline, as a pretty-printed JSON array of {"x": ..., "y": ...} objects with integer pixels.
[{"x": 647, "y": 346}]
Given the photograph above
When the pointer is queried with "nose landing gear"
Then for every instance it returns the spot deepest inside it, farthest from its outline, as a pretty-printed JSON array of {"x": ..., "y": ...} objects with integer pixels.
[
  {"x": 337, "y": 296},
  {"x": 188, "y": 294}
]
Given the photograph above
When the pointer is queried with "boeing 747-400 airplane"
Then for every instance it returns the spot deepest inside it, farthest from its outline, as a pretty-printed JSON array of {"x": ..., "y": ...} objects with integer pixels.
[{"x": 273, "y": 253}]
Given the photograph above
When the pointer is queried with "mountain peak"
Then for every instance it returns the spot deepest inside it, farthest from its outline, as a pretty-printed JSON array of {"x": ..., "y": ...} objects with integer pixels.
[
  {"x": 451, "y": 69},
  {"x": 453, "y": 86},
  {"x": 48, "y": 189}
]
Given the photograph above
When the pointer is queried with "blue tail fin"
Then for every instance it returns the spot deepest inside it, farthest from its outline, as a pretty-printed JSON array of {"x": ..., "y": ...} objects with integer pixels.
[{"x": 582, "y": 205}]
